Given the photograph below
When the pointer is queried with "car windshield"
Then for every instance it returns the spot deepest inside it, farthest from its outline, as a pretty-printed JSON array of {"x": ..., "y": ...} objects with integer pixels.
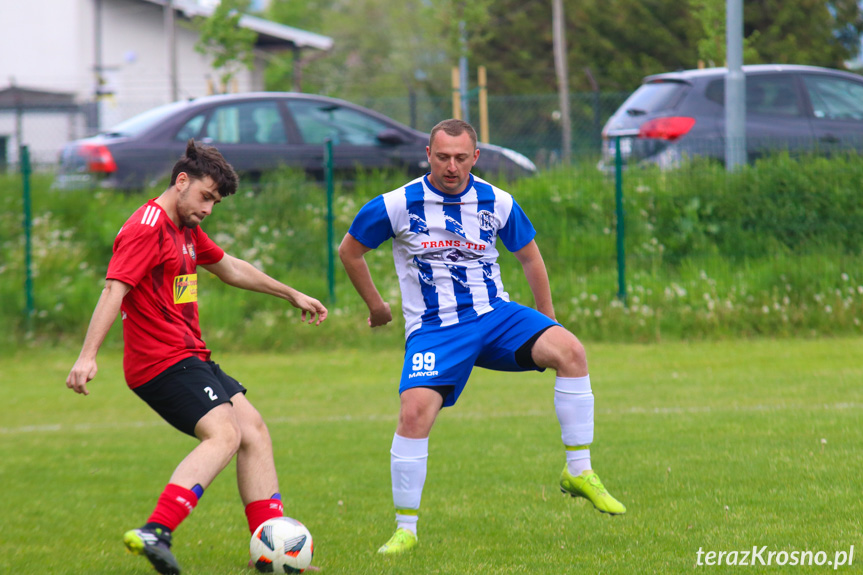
[
  {"x": 143, "y": 122},
  {"x": 653, "y": 97}
]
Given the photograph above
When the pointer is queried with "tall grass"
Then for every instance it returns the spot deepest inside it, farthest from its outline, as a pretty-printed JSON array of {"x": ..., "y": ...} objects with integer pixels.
[{"x": 774, "y": 249}]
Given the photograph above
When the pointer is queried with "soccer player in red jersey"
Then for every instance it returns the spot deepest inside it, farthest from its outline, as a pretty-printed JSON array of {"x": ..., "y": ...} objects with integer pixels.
[{"x": 152, "y": 282}]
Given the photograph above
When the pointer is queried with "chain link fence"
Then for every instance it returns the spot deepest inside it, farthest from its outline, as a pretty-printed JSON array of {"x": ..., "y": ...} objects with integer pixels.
[{"x": 529, "y": 124}]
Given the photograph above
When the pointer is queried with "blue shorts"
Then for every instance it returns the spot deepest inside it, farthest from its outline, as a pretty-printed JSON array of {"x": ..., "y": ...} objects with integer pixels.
[{"x": 445, "y": 356}]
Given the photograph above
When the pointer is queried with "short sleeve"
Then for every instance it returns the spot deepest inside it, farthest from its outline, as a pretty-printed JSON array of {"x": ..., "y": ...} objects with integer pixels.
[
  {"x": 134, "y": 255},
  {"x": 517, "y": 232},
  {"x": 372, "y": 226},
  {"x": 208, "y": 251}
]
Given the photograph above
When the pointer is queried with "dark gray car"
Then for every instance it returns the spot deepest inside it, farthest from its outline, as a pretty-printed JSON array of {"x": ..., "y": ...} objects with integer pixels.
[
  {"x": 258, "y": 132},
  {"x": 677, "y": 115}
]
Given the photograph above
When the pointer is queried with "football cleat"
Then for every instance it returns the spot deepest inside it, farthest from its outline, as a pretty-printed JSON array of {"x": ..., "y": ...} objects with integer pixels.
[
  {"x": 155, "y": 545},
  {"x": 401, "y": 541},
  {"x": 589, "y": 486}
]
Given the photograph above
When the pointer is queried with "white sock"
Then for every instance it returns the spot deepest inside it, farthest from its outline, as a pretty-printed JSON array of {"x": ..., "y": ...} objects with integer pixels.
[
  {"x": 573, "y": 403},
  {"x": 408, "y": 465}
]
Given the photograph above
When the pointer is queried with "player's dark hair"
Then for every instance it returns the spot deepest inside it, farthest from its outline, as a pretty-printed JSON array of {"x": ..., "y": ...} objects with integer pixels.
[
  {"x": 453, "y": 127},
  {"x": 201, "y": 161}
]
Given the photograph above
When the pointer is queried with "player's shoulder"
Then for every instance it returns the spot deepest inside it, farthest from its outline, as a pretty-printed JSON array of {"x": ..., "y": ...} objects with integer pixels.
[
  {"x": 482, "y": 185},
  {"x": 414, "y": 185},
  {"x": 146, "y": 220}
]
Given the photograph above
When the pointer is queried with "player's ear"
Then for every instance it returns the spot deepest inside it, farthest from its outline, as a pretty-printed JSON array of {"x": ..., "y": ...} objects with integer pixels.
[{"x": 182, "y": 181}]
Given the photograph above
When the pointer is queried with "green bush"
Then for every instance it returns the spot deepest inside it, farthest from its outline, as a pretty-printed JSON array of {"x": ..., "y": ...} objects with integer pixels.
[{"x": 773, "y": 249}]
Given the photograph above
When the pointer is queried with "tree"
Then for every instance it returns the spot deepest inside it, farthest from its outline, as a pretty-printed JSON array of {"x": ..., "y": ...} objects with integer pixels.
[
  {"x": 711, "y": 47},
  {"x": 223, "y": 39}
]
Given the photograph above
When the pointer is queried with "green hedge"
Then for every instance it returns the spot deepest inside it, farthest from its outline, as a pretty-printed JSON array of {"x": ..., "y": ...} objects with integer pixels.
[{"x": 774, "y": 249}]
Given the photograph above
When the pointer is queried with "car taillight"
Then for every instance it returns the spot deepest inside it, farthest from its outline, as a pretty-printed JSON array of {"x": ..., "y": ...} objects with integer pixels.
[
  {"x": 98, "y": 158},
  {"x": 666, "y": 128}
]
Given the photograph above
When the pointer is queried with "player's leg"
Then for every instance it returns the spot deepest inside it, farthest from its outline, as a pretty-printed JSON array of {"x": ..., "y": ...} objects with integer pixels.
[
  {"x": 256, "y": 469},
  {"x": 188, "y": 397},
  {"x": 409, "y": 463},
  {"x": 437, "y": 365},
  {"x": 560, "y": 350}
]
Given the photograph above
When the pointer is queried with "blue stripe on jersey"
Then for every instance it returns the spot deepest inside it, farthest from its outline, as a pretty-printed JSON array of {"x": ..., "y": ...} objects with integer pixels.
[
  {"x": 416, "y": 212},
  {"x": 518, "y": 231},
  {"x": 425, "y": 278},
  {"x": 463, "y": 297},
  {"x": 372, "y": 226},
  {"x": 485, "y": 211},
  {"x": 452, "y": 217},
  {"x": 488, "y": 278}
]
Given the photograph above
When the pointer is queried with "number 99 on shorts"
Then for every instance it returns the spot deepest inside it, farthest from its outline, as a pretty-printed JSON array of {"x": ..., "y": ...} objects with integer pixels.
[{"x": 423, "y": 365}]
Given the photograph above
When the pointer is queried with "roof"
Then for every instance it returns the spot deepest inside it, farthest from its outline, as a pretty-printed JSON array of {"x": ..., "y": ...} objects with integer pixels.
[
  {"x": 17, "y": 98},
  {"x": 747, "y": 69},
  {"x": 270, "y": 34}
]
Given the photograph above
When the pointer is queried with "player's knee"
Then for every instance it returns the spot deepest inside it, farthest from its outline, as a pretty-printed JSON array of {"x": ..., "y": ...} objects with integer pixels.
[
  {"x": 571, "y": 355},
  {"x": 255, "y": 431}
]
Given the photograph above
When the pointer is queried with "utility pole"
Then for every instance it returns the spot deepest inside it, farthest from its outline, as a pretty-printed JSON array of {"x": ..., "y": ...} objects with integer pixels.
[
  {"x": 462, "y": 69},
  {"x": 560, "y": 68},
  {"x": 735, "y": 87},
  {"x": 171, "y": 38},
  {"x": 98, "y": 68}
]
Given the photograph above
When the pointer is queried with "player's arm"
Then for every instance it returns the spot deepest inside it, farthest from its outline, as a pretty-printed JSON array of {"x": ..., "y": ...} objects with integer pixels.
[
  {"x": 240, "y": 273},
  {"x": 106, "y": 312},
  {"x": 352, "y": 253},
  {"x": 537, "y": 277}
]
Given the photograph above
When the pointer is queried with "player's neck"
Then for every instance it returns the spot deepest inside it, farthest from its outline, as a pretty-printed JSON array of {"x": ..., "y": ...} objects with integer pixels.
[{"x": 168, "y": 202}]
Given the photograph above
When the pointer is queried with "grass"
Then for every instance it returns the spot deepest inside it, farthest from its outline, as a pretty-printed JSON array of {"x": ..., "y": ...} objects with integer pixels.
[{"x": 716, "y": 446}]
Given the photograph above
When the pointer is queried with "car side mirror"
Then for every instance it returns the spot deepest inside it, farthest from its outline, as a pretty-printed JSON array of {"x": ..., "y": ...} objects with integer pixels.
[{"x": 390, "y": 137}]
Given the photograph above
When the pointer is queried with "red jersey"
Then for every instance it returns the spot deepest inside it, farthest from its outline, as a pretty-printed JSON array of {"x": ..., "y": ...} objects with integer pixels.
[{"x": 160, "y": 313}]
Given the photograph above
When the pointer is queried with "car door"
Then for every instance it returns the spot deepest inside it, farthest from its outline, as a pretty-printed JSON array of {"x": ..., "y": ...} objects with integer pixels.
[
  {"x": 354, "y": 135},
  {"x": 776, "y": 116},
  {"x": 251, "y": 135},
  {"x": 837, "y": 111}
]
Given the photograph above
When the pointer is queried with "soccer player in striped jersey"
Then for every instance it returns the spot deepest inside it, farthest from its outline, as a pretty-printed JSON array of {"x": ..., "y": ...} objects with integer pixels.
[
  {"x": 152, "y": 282},
  {"x": 445, "y": 227}
]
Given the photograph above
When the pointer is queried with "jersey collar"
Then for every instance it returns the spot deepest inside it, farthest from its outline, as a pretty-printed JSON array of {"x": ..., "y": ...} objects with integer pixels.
[{"x": 449, "y": 197}]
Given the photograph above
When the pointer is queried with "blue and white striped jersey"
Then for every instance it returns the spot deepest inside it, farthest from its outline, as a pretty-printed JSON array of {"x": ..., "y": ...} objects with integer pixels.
[{"x": 444, "y": 247}]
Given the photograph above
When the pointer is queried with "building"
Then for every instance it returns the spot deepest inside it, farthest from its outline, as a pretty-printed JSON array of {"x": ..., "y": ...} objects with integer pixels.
[{"x": 115, "y": 59}]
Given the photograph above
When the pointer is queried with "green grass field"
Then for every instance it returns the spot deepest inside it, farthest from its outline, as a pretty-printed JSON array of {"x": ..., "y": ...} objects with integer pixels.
[{"x": 713, "y": 446}]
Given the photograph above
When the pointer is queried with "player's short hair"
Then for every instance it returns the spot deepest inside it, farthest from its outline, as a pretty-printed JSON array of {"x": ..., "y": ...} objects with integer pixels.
[
  {"x": 201, "y": 161},
  {"x": 453, "y": 127}
]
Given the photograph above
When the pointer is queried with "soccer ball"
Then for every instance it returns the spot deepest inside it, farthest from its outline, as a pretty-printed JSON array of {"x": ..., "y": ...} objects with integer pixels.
[{"x": 281, "y": 545}]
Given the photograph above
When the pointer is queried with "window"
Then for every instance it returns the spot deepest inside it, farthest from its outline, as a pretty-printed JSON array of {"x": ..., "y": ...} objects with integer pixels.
[
  {"x": 246, "y": 123},
  {"x": 317, "y": 122},
  {"x": 771, "y": 95},
  {"x": 835, "y": 98},
  {"x": 190, "y": 129},
  {"x": 654, "y": 97}
]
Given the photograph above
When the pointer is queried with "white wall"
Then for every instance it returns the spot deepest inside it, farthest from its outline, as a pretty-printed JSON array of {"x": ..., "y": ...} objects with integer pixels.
[{"x": 49, "y": 45}]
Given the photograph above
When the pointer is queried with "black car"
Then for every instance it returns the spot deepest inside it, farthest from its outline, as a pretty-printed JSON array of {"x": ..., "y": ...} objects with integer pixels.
[
  {"x": 257, "y": 132},
  {"x": 677, "y": 115}
]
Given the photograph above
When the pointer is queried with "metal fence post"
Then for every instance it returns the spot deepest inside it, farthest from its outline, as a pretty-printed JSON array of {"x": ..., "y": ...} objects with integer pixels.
[
  {"x": 618, "y": 202},
  {"x": 28, "y": 240},
  {"x": 328, "y": 169}
]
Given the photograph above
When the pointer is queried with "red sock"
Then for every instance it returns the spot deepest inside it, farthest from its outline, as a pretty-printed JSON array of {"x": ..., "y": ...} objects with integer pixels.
[
  {"x": 259, "y": 511},
  {"x": 175, "y": 503}
]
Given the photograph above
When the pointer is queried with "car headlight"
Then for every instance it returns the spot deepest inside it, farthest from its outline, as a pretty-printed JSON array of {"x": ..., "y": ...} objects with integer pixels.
[{"x": 519, "y": 159}]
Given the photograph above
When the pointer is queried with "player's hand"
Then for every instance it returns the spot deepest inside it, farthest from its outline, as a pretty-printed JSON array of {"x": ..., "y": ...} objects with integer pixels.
[
  {"x": 82, "y": 372},
  {"x": 380, "y": 316},
  {"x": 312, "y": 309}
]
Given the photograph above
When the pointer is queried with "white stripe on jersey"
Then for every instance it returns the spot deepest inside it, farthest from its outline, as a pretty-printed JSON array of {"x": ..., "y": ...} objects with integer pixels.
[{"x": 151, "y": 216}]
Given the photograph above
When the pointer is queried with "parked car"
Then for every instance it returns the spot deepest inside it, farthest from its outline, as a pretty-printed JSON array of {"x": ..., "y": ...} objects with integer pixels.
[
  {"x": 257, "y": 132},
  {"x": 677, "y": 115}
]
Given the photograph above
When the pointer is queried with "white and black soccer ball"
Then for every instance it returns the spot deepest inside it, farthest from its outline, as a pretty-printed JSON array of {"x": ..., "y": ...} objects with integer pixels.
[{"x": 281, "y": 545}]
